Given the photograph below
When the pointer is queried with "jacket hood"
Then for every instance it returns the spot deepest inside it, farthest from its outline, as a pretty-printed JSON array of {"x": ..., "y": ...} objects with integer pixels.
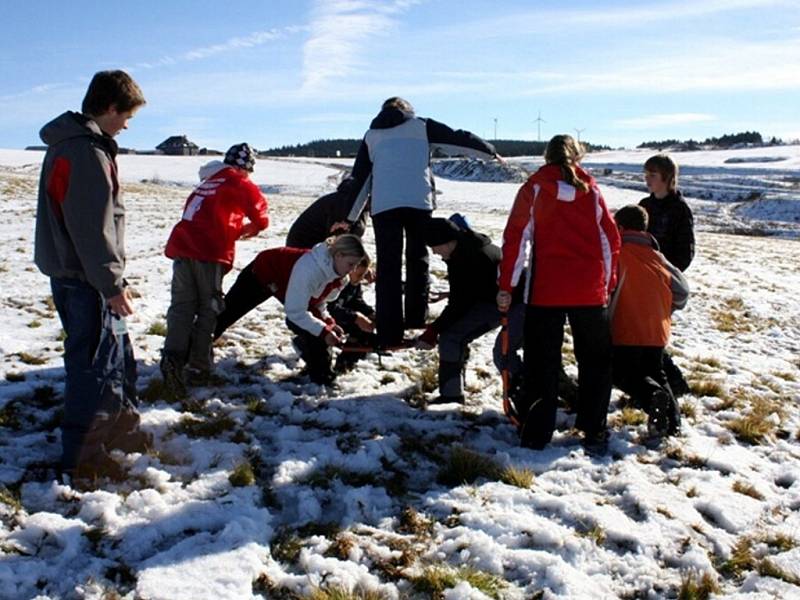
[
  {"x": 390, "y": 117},
  {"x": 641, "y": 238},
  {"x": 469, "y": 240},
  {"x": 73, "y": 125},
  {"x": 210, "y": 168}
]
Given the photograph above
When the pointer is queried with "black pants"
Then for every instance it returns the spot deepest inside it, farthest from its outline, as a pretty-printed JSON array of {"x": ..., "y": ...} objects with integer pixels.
[
  {"x": 389, "y": 229},
  {"x": 245, "y": 294},
  {"x": 639, "y": 372},
  {"x": 544, "y": 336},
  {"x": 315, "y": 352}
]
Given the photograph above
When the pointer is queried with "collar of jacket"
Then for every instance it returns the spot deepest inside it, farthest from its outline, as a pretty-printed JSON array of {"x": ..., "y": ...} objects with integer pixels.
[
  {"x": 640, "y": 238},
  {"x": 390, "y": 117},
  {"x": 321, "y": 256}
]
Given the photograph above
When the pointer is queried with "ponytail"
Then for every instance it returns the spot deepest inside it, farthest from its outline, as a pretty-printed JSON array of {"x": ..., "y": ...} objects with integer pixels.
[{"x": 565, "y": 152}]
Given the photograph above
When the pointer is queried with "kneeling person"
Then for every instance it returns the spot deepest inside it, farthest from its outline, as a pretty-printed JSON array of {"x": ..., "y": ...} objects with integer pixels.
[
  {"x": 650, "y": 288},
  {"x": 471, "y": 310}
]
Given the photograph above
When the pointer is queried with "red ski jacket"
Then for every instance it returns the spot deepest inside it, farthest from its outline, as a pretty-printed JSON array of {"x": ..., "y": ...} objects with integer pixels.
[
  {"x": 304, "y": 281},
  {"x": 575, "y": 242},
  {"x": 213, "y": 217}
]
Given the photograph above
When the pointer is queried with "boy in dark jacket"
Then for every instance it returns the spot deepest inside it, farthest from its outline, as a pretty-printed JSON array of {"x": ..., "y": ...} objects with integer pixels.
[
  {"x": 326, "y": 216},
  {"x": 80, "y": 245},
  {"x": 671, "y": 223},
  {"x": 472, "y": 262},
  {"x": 649, "y": 289}
]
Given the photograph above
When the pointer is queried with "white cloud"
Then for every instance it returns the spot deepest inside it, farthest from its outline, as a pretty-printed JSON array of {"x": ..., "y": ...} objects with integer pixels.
[
  {"x": 340, "y": 33},
  {"x": 662, "y": 120},
  {"x": 257, "y": 38}
]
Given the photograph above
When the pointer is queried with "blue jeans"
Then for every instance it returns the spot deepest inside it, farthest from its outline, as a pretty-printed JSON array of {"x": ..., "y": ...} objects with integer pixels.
[{"x": 100, "y": 389}]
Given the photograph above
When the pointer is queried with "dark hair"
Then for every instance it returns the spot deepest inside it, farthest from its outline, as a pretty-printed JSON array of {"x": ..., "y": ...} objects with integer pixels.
[
  {"x": 632, "y": 217},
  {"x": 398, "y": 103},
  {"x": 564, "y": 151},
  {"x": 666, "y": 167},
  {"x": 111, "y": 88}
]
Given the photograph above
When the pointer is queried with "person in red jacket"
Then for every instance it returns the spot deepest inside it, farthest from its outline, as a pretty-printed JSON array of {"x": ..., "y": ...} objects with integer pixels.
[
  {"x": 649, "y": 289},
  {"x": 575, "y": 243},
  {"x": 304, "y": 280},
  {"x": 202, "y": 248}
]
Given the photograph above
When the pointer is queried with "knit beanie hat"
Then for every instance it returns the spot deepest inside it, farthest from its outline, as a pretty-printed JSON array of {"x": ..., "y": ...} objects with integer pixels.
[
  {"x": 242, "y": 156},
  {"x": 440, "y": 231}
]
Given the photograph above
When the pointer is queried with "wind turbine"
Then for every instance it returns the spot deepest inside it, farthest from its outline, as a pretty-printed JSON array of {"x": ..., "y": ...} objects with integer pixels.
[
  {"x": 579, "y": 131},
  {"x": 539, "y": 120}
]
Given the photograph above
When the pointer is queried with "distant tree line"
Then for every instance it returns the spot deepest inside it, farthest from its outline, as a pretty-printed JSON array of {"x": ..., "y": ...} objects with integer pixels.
[
  {"x": 349, "y": 147},
  {"x": 751, "y": 138}
]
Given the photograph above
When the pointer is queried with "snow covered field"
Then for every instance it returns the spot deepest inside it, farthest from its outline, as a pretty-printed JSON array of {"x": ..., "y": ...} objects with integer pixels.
[{"x": 261, "y": 486}]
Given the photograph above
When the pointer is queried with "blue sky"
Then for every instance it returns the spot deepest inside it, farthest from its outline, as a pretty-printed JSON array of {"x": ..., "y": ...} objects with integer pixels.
[{"x": 275, "y": 72}]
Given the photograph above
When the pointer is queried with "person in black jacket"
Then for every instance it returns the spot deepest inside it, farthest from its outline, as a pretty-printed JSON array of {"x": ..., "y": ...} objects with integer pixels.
[
  {"x": 393, "y": 166},
  {"x": 671, "y": 222},
  {"x": 471, "y": 309},
  {"x": 670, "y": 219},
  {"x": 325, "y": 216},
  {"x": 355, "y": 316}
]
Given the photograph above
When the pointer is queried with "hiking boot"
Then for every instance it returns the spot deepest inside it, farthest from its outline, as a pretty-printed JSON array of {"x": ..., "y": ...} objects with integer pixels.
[
  {"x": 596, "y": 444},
  {"x": 658, "y": 421},
  {"x": 172, "y": 372},
  {"x": 459, "y": 399},
  {"x": 99, "y": 466},
  {"x": 133, "y": 440}
]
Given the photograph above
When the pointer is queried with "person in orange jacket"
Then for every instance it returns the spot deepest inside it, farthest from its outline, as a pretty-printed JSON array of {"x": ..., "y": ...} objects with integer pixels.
[{"x": 649, "y": 289}]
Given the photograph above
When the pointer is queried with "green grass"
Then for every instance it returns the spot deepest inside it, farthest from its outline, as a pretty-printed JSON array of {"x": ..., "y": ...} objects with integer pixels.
[
  {"x": 208, "y": 427},
  {"x": 242, "y": 475},
  {"x": 435, "y": 579},
  {"x": 10, "y": 498},
  {"x": 342, "y": 593},
  {"x": 466, "y": 466},
  {"x": 157, "y": 328}
]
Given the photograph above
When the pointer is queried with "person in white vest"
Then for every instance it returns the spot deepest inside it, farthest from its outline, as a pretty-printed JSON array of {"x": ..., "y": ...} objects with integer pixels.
[{"x": 392, "y": 170}]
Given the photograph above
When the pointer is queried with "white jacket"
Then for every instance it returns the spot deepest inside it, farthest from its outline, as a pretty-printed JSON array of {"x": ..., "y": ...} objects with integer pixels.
[{"x": 313, "y": 283}]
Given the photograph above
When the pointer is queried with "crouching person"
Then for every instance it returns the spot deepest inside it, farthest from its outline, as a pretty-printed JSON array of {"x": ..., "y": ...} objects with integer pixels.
[
  {"x": 649, "y": 289},
  {"x": 355, "y": 316},
  {"x": 304, "y": 281},
  {"x": 471, "y": 311}
]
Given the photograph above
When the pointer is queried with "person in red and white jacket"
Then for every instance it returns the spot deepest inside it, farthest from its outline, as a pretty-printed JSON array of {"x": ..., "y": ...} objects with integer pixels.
[
  {"x": 561, "y": 213},
  {"x": 202, "y": 248},
  {"x": 304, "y": 281}
]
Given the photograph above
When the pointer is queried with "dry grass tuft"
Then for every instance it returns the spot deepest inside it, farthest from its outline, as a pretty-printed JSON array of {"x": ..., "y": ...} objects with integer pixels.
[
  {"x": 695, "y": 586},
  {"x": 465, "y": 466},
  {"x": 747, "y": 489},
  {"x": 741, "y": 560},
  {"x": 521, "y": 477}
]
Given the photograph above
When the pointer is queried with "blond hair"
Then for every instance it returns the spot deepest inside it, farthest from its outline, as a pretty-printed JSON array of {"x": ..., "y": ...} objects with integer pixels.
[
  {"x": 565, "y": 152},
  {"x": 346, "y": 244}
]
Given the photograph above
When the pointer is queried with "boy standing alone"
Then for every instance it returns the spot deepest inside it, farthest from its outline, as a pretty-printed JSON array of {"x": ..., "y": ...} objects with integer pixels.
[
  {"x": 202, "y": 248},
  {"x": 80, "y": 245}
]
